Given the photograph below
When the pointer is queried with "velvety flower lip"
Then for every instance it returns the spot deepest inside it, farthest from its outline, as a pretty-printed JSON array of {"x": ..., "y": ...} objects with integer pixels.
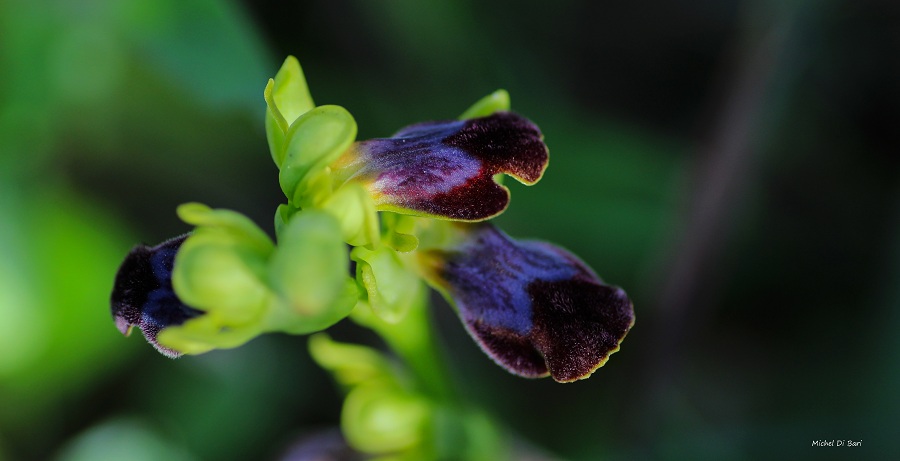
[
  {"x": 534, "y": 308},
  {"x": 143, "y": 296},
  {"x": 446, "y": 169}
]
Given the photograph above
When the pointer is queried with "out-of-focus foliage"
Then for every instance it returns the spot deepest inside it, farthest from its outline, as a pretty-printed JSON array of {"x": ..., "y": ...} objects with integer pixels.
[{"x": 108, "y": 120}]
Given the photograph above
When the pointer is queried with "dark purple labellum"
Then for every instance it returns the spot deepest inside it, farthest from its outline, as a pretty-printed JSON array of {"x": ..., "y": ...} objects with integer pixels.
[
  {"x": 143, "y": 294},
  {"x": 445, "y": 169},
  {"x": 535, "y": 308}
]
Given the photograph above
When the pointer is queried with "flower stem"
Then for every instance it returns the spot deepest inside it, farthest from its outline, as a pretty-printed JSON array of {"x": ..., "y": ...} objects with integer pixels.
[{"x": 413, "y": 340}]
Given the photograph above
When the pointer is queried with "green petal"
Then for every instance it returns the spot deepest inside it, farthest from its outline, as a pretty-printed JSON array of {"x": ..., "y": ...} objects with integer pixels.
[
  {"x": 497, "y": 101},
  {"x": 316, "y": 139},
  {"x": 355, "y": 210},
  {"x": 390, "y": 285},
  {"x": 309, "y": 271}
]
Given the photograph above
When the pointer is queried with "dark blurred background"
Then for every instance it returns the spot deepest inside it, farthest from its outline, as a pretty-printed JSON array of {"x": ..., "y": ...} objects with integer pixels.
[{"x": 733, "y": 165}]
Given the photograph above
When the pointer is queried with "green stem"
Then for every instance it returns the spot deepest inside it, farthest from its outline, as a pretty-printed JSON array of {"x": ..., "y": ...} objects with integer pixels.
[
  {"x": 413, "y": 340},
  {"x": 462, "y": 432}
]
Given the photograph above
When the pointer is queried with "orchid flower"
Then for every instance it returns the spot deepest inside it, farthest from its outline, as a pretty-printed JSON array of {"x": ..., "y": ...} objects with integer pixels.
[{"x": 366, "y": 227}]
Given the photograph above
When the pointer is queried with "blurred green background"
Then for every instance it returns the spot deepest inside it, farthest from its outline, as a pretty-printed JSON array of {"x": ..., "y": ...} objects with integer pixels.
[{"x": 733, "y": 165}]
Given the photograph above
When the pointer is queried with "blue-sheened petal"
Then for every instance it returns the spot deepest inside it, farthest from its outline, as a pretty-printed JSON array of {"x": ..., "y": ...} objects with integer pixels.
[
  {"x": 533, "y": 307},
  {"x": 446, "y": 169},
  {"x": 143, "y": 296}
]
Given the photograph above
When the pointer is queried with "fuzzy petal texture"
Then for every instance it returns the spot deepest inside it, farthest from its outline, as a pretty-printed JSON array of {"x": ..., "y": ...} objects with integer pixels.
[
  {"x": 534, "y": 308},
  {"x": 446, "y": 169},
  {"x": 143, "y": 296}
]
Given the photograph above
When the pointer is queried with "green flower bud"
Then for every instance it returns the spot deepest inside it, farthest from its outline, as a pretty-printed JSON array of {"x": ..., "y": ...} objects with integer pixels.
[
  {"x": 221, "y": 269},
  {"x": 231, "y": 271},
  {"x": 381, "y": 415},
  {"x": 380, "y": 418}
]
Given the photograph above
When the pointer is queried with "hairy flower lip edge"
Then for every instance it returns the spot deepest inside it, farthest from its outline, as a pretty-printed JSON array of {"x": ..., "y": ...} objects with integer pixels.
[
  {"x": 605, "y": 358},
  {"x": 595, "y": 316},
  {"x": 447, "y": 169},
  {"x": 144, "y": 277}
]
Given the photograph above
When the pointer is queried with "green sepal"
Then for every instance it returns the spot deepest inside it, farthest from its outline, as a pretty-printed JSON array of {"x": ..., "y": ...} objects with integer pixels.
[
  {"x": 290, "y": 91},
  {"x": 227, "y": 221},
  {"x": 287, "y": 95},
  {"x": 310, "y": 273},
  {"x": 354, "y": 208},
  {"x": 220, "y": 269},
  {"x": 494, "y": 102},
  {"x": 314, "y": 140},
  {"x": 287, "y": 98},
  {"x": 276, "y": 126}
]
